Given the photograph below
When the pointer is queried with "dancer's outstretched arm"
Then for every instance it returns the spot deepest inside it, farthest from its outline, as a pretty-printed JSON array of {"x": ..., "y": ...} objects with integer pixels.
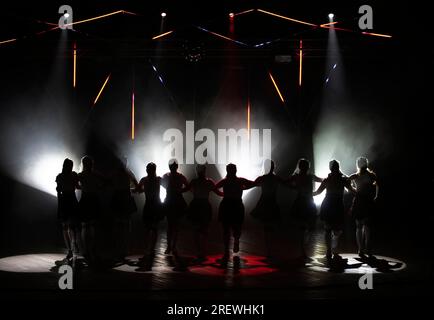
[
  {"x": 247, "y": 184},
  {"x": 140, "y": 186},
  {"x": 377, "y": 188},
  {"x": 320, "y": 189},
  {"x": 186, "y": 185},
  {"x": 215, "y": 189},
  {"x": 349, "y": 186},
  {"x": 317, "y": 179}
]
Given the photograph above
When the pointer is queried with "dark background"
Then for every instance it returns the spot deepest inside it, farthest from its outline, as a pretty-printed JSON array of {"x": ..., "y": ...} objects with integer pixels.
[{"x": 387, "y": 81}]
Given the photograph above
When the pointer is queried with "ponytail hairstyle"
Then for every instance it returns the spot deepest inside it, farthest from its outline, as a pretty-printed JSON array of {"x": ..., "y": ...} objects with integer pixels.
[
  {"x": 67, "y": 166},
  {"x": 303, "y": 165},
  {"x": 334, "y": 167},
  {"x": 362, "y": 164}
]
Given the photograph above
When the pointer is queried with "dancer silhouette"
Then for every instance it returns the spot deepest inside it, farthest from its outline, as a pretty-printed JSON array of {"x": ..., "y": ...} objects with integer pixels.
[
  {"x": 266, "y": 210},
  {"x": 231, "y": 209},
  {"x": 123, "y": 205},
  {"x": 89, "y": 205},
  {"x": 174, "y": 204},
  {"x": 332, "y": 207},
  {"x": 200, "y": 211},
  {"x": 363, "y": 207},
  {"x": 304, "y": 209},
  {"x": 67, "y": 183},
  {"x": 153, "y": 209}
]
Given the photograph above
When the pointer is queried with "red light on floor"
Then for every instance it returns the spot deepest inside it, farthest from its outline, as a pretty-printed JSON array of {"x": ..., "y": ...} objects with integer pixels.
[{"x": 243, "y": 265}]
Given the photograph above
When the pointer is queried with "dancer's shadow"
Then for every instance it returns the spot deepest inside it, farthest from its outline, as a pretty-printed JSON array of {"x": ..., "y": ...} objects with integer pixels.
[
  {"x": 221, "y": 263},
  {"x": 198, "y": 262},
  {"x": 178, "y": 263},
  {"x": 380, "y": 265},
  {"x": 77, "y": 264},
  {"x": 144, "y": 263},
  {"x": 338, "y": 264},
  {"x": 238, "y": 263},
  {"x": 175, "y": 262}
]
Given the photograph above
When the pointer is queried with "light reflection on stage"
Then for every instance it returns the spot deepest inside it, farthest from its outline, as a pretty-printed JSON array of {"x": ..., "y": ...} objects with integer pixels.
[
  {"x": 354, "y": 264},
  {"x": 30, "y": 263}
]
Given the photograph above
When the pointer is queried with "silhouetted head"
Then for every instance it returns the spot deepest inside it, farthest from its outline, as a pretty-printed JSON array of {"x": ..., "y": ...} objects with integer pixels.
[
  {"x": 67, "y": 166},
  {"x": 201, "y": 170},
  {"x": 362, "y": 163},
  {"x": 334, "y": 166},
  {"x": 268, "y": 166},
  {"x": 151, "y": 169},
  {"x": 173, "y": 165},
  {"x": 87, "y": 163},
  {"x": 231, "y": 170},
  {"x": 303, "y": 165}
]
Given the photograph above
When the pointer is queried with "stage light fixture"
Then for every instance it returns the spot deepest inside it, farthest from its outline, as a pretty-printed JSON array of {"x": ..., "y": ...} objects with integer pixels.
[
  {"x": 248, "y": 119},
  {"x": 133, "y": 130},
  {"x": 300, "y": 71},
  {"x": 286, "y": 18},
  {"x": 7, "y": 41},
  {"x": 163, "y": 14},
  {"x": 276, "y": 87},
  {"x": 377, "y": 34},
  {"x": 162, "y": 35},
  {"x": 74, "y": 77},
  {"x": 331, "y": 16},
  {"x": 102, "y": 88}
]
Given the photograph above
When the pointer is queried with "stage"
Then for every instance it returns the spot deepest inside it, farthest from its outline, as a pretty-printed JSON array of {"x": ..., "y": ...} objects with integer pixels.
[
  {"x": 123, "y": 91},
  {"x": 399, "y": 271}
]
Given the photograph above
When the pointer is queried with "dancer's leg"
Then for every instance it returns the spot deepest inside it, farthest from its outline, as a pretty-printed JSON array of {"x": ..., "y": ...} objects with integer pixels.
[
  {"x": 226, "y": 239},
  {"x": 328, "y": 242},
  {"x": 359, "y": 237},
  {"x": 236, "y": 230}
]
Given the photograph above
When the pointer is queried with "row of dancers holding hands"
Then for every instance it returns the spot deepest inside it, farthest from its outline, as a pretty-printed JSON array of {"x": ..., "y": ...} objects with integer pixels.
[{"x": 78, "y": 217}]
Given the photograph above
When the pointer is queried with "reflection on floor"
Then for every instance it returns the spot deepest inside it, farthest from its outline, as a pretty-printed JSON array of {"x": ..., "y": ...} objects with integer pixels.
[
  {"x": 353, "y": 263},
  {"x": 248, "y": 274},
  {"x": 30, "y": 263},
  {"x": 248, "y": 265}
]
